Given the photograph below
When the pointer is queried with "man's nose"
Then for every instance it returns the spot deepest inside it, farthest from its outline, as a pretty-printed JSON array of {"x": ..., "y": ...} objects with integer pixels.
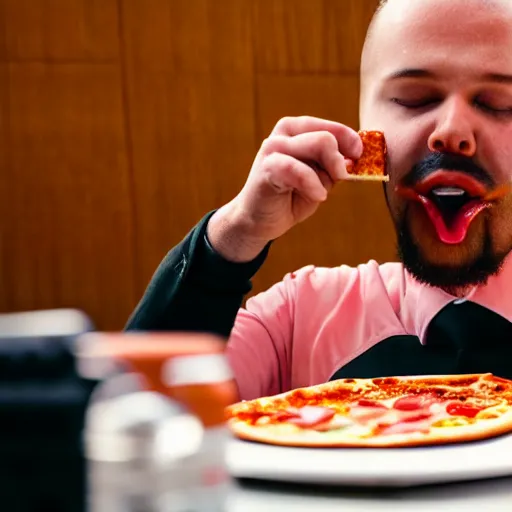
[{"x": 454, "y": 132}]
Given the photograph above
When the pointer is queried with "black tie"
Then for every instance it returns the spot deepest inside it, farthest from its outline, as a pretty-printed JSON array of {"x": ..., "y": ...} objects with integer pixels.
[
  {"x": 479, "y": 339},
  {"x": 461, "y": 338}
]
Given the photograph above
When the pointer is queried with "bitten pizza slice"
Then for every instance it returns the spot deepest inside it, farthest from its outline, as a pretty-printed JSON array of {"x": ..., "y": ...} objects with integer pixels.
[{"x": 372, "y": 164}]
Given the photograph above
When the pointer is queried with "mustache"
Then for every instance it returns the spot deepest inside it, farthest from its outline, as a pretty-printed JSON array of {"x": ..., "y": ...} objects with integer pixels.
[{"x": 450, "y": 162}]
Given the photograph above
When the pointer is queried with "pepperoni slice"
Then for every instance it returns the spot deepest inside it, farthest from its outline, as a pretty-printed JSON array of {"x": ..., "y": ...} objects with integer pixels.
[
  {"x": 285, "y": 415},
  {"x": 364, "y": 414},
  {"x": 413, "y": 402},
  {"x": 405, "y": 428},
  {"x": 416, "y": 416},
  {"x": 311, "y": 416},
  {"x": 460, "y": 409},
  {"x": 333, "y": 424},
  {"x": 366, "y": 402}
]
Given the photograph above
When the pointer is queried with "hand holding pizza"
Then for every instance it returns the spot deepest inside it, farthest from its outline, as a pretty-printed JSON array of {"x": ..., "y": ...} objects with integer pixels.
[{"x": 294, "y": 170}]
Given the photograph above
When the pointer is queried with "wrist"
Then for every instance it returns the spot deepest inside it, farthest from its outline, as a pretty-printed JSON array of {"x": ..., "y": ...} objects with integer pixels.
[{"x": 229, "y": 236}]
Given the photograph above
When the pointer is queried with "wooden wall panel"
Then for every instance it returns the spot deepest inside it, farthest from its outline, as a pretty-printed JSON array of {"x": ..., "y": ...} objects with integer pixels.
[
  {"x": 190, "y": 89},
  {"x": 5, "y": 218},
  {"x": 68, "y": 224},
  {"x": 333, "y": 97},
  {"x": 305, "y": 36},
  {"x": 59, "y": 30},
  {"x": 122, "y": 122},
  {"x": 353, "y": 226}
]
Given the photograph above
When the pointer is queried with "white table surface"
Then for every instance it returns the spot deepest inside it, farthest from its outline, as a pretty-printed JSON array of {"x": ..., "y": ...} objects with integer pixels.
[{"x": 492, "y": 496}]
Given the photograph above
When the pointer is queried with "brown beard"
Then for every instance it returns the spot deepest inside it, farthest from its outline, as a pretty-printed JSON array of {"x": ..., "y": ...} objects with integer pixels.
[{"x": 469, "y": 266}]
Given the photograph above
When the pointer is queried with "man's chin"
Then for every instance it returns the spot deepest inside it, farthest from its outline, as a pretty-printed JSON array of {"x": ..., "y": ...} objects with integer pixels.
[{"x": 449, "y": 267}]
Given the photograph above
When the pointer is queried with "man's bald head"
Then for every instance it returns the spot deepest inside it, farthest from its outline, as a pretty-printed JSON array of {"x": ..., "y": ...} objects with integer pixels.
[{"x": 369, "y": 34}]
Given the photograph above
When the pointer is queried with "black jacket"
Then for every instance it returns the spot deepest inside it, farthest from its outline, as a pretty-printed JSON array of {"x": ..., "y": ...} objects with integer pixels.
[{"x": 195, "y": 289}]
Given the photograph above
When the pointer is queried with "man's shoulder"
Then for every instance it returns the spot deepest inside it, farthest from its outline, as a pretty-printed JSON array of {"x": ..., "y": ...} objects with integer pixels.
[
  {"x": 329, "y": 287},
  {"x": 389, "y": 273}
]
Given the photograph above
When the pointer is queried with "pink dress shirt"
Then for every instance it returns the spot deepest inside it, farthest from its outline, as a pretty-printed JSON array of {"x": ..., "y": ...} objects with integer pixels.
[{"x": 316, "y": 320}]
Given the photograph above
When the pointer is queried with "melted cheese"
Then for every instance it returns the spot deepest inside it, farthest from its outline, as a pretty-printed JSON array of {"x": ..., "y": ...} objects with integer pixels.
[
  {"x": 455, "y": 421},
  {"x": 493, "y": 412}
]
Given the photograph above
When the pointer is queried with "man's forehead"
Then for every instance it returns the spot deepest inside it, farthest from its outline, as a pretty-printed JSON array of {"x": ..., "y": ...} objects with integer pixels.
[
  {"x": 401, "y": 4},
  {"x": 408, "y": 11},
  {"x": 440, "y": 29}
]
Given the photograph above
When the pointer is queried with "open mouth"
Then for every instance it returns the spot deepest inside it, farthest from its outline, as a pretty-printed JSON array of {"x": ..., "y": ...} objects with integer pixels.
[{"x": 452, "y": 200}]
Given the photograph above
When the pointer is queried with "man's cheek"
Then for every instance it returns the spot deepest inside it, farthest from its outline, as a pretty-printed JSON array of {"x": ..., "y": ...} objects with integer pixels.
[
  {"x": 500, "y": 225},
  {"x": 397, "y": 206}
]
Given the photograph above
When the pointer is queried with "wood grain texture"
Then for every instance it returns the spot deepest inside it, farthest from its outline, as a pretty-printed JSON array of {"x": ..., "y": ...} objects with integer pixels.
[
  {"x": 51, "y": 30},
  {"x": 305, "y": 36},
  {"x": 5, "y": 186},
  {"x": 67, "y": 238},
  {"x": 353, "y": 226},
  {"x": 122, "y": 122},
  {"x": 334, "y": 97},
  {"x": 190, "y": 102}
]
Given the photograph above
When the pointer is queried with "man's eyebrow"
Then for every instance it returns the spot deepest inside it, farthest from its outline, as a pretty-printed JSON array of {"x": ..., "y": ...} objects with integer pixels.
[
  {"x": 501, "y": 78},
  {"x": 411, "y": 73},
  {"x": 498, "y": 77}
]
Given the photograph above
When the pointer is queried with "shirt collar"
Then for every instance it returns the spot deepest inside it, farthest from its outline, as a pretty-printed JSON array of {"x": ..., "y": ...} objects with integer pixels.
[{"x": 422, "y": 303}]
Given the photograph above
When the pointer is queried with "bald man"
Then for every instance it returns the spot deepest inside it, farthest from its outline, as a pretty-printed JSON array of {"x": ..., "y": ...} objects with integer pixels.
[{"x": 436, "y": 78}]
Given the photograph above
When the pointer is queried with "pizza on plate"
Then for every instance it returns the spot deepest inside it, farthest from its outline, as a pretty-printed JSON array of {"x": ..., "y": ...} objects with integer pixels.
[
  {"x": 371, "y": 166},
  {"x": 380, "y": 412}
]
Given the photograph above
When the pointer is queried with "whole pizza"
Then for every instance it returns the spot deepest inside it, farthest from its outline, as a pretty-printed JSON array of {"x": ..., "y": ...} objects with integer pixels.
[{"x": 381, "y": 412}]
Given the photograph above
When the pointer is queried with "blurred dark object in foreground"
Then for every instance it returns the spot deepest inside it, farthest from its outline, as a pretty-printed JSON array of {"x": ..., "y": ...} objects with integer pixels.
[{"x": 43, "y": 401}]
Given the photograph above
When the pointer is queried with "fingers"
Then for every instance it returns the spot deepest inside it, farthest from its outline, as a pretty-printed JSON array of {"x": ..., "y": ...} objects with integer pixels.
[
  {"x": 349, "y": 142},
  {"x": 308, "y": 155},
  {"x": 316, "y": 147},
  {"x": 284, "y": 173}
]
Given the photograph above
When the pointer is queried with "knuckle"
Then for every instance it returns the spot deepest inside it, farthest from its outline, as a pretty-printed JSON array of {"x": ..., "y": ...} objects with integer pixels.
[
  {"x": 289, "y": 165},
  {"x": 284, "y": 122},
  {"x": 328, "y": 140},
  {"x": 267, "y": 145},
  {"x": 271, "y": 144},
  {"x": 272, "y": 163},
  {"x": 304, "y": 119},
  {"x": 279, "y": 166}
]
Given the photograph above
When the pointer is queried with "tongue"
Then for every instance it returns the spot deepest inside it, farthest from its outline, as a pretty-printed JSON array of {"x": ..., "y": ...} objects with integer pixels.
[{"x": 456, "y": 230}]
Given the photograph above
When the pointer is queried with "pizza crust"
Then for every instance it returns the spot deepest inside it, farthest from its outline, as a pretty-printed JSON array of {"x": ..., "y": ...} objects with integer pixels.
[
  {"x": 481, "y": 430},
  {"x": 368, "y": 177}
]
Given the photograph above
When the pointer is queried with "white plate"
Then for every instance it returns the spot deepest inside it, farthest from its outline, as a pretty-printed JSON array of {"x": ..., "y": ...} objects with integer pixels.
[{"x": 397, "y": 467}]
